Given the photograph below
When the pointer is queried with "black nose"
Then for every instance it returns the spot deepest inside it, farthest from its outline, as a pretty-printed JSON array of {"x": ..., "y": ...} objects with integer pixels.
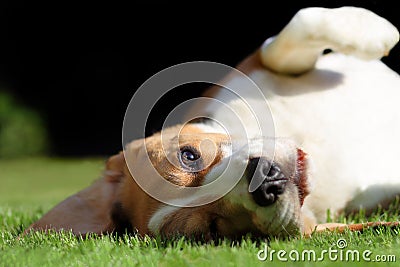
[{"x": 269, "y": 176}]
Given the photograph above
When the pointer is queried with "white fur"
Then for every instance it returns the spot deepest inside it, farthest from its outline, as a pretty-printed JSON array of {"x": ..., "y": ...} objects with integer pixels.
[
  {"x": 271, "y": 219},
  {"x": 158, "y": 217},
  {"x": 350, "y": 129},
  {"x": 348, "y": 30},
  {"x": 344, "y": 112}
]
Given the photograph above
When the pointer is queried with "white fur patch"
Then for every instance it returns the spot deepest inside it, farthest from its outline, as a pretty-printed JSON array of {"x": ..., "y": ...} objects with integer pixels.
[
  {"x": 348, "y": 30},
  {"x": 157, "y": 219}
]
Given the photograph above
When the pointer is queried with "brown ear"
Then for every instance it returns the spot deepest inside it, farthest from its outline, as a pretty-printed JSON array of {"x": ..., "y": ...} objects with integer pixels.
[{"x": 88, "y": 211}]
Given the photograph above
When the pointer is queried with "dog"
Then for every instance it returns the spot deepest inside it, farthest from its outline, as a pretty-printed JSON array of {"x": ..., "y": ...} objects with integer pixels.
[{"x": 333, "y": 144}]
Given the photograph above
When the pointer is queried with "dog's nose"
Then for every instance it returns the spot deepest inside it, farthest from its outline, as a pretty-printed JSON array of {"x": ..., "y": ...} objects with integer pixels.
[{"x": 269, "y": 176}]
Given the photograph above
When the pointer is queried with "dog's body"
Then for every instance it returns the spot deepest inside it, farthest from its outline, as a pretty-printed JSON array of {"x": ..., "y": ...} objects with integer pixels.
[{"x": 340, "y": 108}]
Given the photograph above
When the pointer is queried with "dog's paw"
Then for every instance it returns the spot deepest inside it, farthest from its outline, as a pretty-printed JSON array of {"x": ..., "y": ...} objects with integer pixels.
[{"x": 348, "y": 30}]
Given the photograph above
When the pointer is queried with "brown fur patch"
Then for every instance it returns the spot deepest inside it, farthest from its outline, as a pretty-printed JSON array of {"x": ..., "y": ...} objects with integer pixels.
[
  {"x": 163, "y": 151},
  {"x": 163, "y": 155}
]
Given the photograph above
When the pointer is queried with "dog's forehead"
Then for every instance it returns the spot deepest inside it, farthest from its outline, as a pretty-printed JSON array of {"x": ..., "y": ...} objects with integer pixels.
[
  {"x": 200, "y": 132},
  {"x": 188, "y": 135}
]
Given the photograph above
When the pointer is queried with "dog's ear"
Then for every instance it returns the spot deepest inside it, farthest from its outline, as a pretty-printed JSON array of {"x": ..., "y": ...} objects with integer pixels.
[{"x": 88, "y": 211}]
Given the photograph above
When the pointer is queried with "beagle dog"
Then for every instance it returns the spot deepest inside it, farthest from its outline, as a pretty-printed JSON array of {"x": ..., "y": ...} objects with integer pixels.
[{"x": 331, "y": 143}]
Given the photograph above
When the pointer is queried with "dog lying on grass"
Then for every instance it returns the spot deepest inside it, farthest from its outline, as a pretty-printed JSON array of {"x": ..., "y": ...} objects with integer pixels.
[{"x": 336, "y": 123}]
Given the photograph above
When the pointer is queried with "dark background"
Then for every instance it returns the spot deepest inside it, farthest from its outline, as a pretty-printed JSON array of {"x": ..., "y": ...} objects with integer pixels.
[{"x": 80, "y": 64}]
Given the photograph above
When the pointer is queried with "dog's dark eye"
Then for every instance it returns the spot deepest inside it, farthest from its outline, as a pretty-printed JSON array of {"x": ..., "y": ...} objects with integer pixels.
[{"x": 189, "y": 157}]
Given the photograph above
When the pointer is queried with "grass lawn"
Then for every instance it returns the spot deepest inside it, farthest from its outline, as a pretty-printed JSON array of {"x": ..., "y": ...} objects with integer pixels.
[{"x": 30, "y": 187}]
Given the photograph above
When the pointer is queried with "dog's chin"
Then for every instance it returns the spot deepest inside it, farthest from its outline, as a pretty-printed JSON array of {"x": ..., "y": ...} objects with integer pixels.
[
  {"x": 287, "y": 220},
  {"x": 283, "y": 218},
  {"x": 280, "y": 219},
  {"x": 234, "y": 216}
]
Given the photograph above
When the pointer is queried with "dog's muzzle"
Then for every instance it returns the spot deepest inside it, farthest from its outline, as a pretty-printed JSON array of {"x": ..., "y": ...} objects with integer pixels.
[{"x": 270, "y": 177}]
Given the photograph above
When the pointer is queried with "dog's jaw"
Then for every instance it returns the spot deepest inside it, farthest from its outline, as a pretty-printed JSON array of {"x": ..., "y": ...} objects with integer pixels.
[{"x": 281, "y": 219}]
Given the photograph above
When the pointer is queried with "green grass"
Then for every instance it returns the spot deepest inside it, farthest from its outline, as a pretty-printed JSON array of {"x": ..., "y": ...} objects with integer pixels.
[{"x": 32, "y": 186}]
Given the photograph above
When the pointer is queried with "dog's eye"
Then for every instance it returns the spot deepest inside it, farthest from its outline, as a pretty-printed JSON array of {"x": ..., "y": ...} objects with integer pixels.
[{"x": 189, "y": 157}]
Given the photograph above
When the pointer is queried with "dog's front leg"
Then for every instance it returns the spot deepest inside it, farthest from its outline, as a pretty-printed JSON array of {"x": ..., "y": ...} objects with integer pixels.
[{"x": 348, "y": 30}]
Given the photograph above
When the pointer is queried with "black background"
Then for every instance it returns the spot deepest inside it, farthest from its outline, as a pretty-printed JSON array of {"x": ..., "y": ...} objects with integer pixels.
[{"x": 80, "y": 64}]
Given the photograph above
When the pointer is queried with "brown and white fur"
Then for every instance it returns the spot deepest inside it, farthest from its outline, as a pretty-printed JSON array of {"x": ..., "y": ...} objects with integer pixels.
[{"x": 341, "y": 109}]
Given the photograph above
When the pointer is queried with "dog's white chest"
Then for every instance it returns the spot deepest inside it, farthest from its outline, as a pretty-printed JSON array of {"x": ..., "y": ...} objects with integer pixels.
[{"x": 343, "y": 113}]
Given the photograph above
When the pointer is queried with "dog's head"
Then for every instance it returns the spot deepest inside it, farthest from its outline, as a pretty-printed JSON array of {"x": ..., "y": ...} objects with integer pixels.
[{"x": 173, "y": 183}]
